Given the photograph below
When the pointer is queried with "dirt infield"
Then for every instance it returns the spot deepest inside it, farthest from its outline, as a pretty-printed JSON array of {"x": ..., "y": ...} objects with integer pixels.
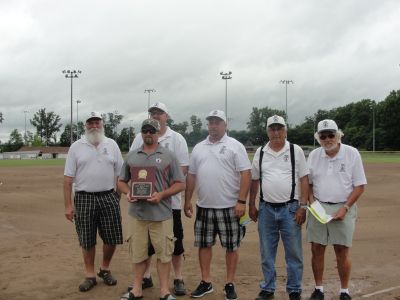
[{"x": 40, "y": 256}]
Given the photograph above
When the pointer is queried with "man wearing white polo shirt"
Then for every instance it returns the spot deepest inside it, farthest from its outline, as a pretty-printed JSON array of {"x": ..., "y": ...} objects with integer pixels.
[
  {"x": 220, "y": 168},
  {"x": 337, "y": 179},
  {"x": 176, "y": 143},
  {"x": 93, "y": 164},
  {"x": 280, "y": 170}
]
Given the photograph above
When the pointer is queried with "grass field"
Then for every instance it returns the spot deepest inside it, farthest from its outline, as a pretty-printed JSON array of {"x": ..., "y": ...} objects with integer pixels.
[{"x": 368, "y": 157}]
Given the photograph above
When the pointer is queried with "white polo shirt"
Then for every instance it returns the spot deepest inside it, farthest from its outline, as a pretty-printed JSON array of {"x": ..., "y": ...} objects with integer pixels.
[
  {"x": 95, "y": 169},
  {"x": 333, "y": 179},
  {"x": 217, "y": 166},
  {"x": 277, "y": 172},
  {"x": 176, "y": 143}
]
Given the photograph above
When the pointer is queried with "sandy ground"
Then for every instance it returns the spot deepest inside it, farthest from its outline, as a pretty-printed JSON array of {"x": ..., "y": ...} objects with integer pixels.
[{"x": 40, "y": 257}]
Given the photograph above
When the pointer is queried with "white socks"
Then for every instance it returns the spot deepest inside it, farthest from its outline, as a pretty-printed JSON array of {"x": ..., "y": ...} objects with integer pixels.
[
  {"x": 344, "y": 291},
  {"x": 319, "y": 287}
]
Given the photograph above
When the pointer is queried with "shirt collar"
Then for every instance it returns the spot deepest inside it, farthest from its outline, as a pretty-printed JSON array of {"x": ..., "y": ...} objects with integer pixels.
[{"x": 222, "y": 140}]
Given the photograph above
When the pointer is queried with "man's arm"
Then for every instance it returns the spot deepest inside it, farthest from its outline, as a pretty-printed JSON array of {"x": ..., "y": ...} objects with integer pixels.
[
  {"x": 300, "y": 215},
  {"x": 69, "y": 208},
  {"x": 175, "y": 188},
  {"x": 253, "y": 212},
  {"x": 245, "y": 180},
  {"x": 353, "y": 197},
  {"x": 190, "y": 185}
]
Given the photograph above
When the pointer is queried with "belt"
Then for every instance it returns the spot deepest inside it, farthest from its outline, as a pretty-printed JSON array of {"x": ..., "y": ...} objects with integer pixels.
[
  {"x": 275, "y": 205},
  {"x": 331, "y": 203},
  {"x": 95, "y": 193}
]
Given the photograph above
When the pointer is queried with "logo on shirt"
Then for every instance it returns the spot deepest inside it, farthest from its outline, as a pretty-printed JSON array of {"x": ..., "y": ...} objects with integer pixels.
[
  {"x": 342, "y": 168},
  {"x": 158, "y": 160},
  {"x": 222, "y": 150},
  {"x": 286, "y": 158},
  {"x": 166, "y": 145},
  {"x": 105, "y": 152}
]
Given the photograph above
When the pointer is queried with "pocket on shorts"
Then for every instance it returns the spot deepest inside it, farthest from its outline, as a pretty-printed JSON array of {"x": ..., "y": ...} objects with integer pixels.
[
  {"x": 129, "y": 240},
  {"x": 170, "y": 244}
]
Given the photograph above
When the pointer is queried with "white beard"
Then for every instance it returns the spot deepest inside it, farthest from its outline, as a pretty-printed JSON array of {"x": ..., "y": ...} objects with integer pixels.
[{"x": 95, "y": 135}]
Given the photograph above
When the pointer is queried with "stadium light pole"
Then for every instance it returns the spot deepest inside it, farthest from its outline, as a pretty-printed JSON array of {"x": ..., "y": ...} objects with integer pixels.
[
  {"x": 25, "y": 112},
  {"x": 77, "y": 117},
  {"x": 226, "y": 77},
  {"x": 373, "y": 126},
  {"x": 129, "y": 134},
  {"x": 286, "y": 82},
  {"x": 71, "y": 74},
  {"x": 149, "y": 91}
]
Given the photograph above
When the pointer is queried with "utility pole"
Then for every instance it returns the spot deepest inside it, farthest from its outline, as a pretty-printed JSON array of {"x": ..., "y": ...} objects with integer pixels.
[
  {"x": 71, "y": 74},
  {"x": 148, "y": 97},
  {"x": 286, "y": 82},
  {"x": 25, "y": 137},
  {"x": 226, "y": 77}
]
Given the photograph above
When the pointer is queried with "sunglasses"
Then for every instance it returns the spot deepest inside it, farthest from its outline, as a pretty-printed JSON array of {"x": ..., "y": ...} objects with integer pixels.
[
  {"x": 325, "y": 136},
  {"x": 150, "y": 130}
]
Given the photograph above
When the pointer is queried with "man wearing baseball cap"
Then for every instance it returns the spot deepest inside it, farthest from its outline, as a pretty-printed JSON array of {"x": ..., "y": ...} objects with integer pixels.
[
  {"x": 150, "y": 218},
  {"x": 93, "y": 163},
  {"x": 220, "y": 168},
  {"x": 280, "y": 170},
  {"x": 176, "y": 143},
  {"x": 337, "y": 180}
]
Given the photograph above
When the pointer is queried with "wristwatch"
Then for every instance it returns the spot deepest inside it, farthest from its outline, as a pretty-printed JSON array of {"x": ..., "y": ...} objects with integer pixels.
[{"x": 346, "y": 207}]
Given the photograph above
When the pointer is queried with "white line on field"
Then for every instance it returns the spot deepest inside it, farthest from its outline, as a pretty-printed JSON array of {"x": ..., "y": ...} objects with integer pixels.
[{"x": 381, "y": 291}]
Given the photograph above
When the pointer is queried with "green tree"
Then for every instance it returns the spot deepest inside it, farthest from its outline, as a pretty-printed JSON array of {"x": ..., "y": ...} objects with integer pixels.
[
  {"x": 111, "y": 122},
  {"x": 15, "y": 142},
  {"x": 125, "y": 138},
  {"x": 47, "y": 124},
  {"x": 258, "y": 122},
  {"x": 179, "y": 127},
  {"x": 1, "y": 117}
]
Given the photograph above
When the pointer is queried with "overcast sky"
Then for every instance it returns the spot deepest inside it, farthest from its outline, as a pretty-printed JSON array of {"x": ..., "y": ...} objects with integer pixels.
[{"x": 336, "y": 52}]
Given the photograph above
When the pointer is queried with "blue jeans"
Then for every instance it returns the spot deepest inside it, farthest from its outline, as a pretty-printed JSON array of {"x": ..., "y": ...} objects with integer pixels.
[{"x": 272, "y": 224}]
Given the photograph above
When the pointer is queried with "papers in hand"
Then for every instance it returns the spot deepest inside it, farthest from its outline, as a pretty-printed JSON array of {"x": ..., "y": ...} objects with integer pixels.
[
  {"x": 319, "y": 212},
  {"x": 244, "y": 220}
]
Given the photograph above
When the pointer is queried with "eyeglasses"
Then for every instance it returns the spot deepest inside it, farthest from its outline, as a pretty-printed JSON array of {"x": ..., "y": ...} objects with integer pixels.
[
  {"x": 156, "y": 112},
  {"x": 324, "y": 136},
  {"x": 150, "y": 130}
]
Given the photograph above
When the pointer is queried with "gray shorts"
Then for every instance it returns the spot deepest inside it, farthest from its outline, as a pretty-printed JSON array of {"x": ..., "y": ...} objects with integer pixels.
[{"x": 334, "y": 232}]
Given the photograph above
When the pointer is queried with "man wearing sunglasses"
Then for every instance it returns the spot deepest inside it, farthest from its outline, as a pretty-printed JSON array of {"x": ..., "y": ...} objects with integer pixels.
[
  {"x": 337, "y": 180},
  {"x": 280, "y": 170},
  {"x": 150, "y": 217},
  {"x": 176, "y": 143}
]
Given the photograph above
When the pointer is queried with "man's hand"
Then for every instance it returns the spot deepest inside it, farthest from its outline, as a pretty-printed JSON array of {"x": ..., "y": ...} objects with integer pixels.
[
  {"x": 340, "y": 214},
  {"x": 300, "y": 216},
  {"x": 156, "y": 197},
  {"x": 69, "y": 213},
  {"x": 240, "y": 209},
  {"x": 188, "y": 209},
  {"x": 253, "y": 213}
]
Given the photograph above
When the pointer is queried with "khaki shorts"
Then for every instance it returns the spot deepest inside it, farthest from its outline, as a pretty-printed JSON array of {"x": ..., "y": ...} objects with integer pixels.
[
  {"x": 160, "y": 234},
  {"x": 334, "y": 232}
]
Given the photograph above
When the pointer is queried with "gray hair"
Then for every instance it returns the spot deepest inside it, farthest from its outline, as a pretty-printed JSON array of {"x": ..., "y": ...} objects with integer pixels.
[{"x": 339, "y": 134}]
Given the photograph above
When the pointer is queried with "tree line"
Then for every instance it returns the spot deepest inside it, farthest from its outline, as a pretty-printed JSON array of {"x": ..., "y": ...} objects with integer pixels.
[{"x": 366, "y": 125}]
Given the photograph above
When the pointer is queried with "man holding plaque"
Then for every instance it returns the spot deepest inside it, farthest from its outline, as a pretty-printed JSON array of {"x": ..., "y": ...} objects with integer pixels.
[
  {"x": 337, "y": 179},
  {"x": 150, "y": 176},
  {"x": 175, "y": 142},
  {"x": 220, "y": 167},
  {"x": 93, "y": 164}
]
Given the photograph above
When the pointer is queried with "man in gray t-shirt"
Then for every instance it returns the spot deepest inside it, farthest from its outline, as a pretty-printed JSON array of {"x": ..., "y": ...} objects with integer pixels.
[{"x": 150, "y": 218}]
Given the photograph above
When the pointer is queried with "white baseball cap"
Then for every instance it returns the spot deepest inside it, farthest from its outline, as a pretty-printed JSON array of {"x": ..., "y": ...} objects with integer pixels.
[
  {"x": 217, "y": 114},
  {"x": 327, "y": 125},
  {"x": 160, "y": 106},
  {"x": 94, "y": 115},
  {"x": 275, "y": 119}
]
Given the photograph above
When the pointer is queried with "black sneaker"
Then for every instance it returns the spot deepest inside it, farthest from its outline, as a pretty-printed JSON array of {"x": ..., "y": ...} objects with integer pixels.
[
  {"x": 295, "y": 296},
  {"x": 147, "y": 283},
  {"x": 265, "y": 295},
  {"x": 317, "y": 295},
  {"x": 179, "y": 287},
  {"x": 229, "y": 291},
  {"x": 345, "y": 296},
  {"x": 203, "y": 289}
]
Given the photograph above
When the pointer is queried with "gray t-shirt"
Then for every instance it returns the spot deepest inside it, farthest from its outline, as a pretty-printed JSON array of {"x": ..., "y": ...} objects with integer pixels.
[{"x": 167, "y": 172}]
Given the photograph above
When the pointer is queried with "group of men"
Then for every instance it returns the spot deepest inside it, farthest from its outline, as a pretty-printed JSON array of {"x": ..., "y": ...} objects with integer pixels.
[{"x": 157, "y": 169}]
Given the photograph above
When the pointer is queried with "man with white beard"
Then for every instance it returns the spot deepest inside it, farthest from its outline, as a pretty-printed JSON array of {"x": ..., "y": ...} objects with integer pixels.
[
  {"x": 93, "y": 165},
  {"x": 337, "y": 180}
]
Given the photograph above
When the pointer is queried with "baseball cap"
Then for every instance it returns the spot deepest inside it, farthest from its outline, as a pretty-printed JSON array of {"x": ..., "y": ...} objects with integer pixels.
[
  {"x": 218, "y": 114},
  {"x": 275, "y": 119},
  {"x": 160, "y": 106},
  {"x": 327, "y": 125},
  {"x": 151, "y": 122},
  {"x": 94, "y": 115}
]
